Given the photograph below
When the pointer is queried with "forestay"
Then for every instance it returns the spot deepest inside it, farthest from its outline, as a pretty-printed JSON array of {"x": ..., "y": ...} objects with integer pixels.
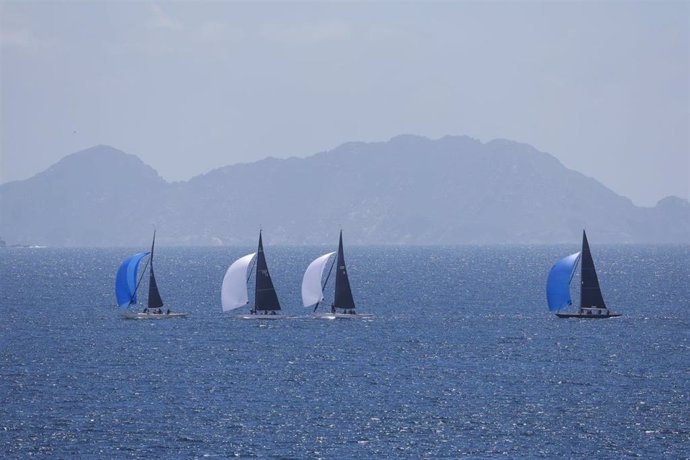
[
  {"x": 312, "y": 289},
  {"x": 558, "y": 282},
  {"x": 126, "y": 280},
  {"x": 234, "y": 291}
]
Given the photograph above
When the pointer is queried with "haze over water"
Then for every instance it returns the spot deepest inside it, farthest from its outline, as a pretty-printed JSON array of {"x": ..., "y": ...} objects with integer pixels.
[{"x": 461, "y": 359}]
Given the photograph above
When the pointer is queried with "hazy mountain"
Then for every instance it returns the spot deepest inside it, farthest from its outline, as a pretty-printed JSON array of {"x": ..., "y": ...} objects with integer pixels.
[
  {"x": 93, "y": 197},
  {"x": 409, "y": 190}
]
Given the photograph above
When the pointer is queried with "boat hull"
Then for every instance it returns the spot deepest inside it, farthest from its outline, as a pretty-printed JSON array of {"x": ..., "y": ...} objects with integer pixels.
[
  {"x": 171, "y": 315},
  {"x": 262, "y": 317},
  {"x": 590, "y": 313},
  {"x": 329, "y": 316}
]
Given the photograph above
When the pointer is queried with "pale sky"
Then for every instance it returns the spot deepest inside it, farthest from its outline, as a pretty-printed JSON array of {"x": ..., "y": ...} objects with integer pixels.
[{"x": 192, "y": 86}]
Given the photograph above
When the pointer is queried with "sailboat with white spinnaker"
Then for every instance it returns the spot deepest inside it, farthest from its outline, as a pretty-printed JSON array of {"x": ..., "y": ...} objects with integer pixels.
[
  {"x": 343, "y": 306},
  {"x": 234, "y": 291}
]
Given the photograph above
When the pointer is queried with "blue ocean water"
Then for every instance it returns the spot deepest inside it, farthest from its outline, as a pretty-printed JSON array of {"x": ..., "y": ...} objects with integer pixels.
[{"x": 462, "y": 359}]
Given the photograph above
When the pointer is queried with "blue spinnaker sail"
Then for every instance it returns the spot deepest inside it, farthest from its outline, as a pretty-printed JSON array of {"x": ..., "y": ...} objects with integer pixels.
[
  {"x": 126, "y": 280},
  {"x": 558, "y": 283}
]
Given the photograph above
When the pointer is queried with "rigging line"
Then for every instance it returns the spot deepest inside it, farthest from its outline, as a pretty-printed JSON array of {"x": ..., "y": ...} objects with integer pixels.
[
  {"x": 325, "y": 282},
  {"x": 249, "y": 275},
  {"x": 139, "y": 282},
  {"x": 577, "y": 262},
  {"x": 329, "y": 274},
  {"x": 249, "y": 272},
  {"x": 572, "y": 274}
]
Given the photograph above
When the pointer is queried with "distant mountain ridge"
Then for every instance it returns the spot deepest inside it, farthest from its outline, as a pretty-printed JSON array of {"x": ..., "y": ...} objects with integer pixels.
[{"x": 408, "y": 190}]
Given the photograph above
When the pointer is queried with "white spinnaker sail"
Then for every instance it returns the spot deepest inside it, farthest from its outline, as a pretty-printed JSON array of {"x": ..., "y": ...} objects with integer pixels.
[
  {"x": 312, "y": 291},
  {"x": 234, "y": 291}
]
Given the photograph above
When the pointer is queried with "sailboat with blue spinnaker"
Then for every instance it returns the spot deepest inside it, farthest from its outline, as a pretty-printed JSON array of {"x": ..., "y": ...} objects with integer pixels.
[
  {"x": 127, "y": 283},
  {"x": 592, "y": 303}
]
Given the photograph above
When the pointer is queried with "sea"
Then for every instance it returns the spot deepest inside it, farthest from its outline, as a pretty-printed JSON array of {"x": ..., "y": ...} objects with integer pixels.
[{"x": 462, "y": 358}]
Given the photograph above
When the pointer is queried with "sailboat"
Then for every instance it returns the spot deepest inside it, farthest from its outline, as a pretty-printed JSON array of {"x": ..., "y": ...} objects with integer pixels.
[
  {"x": 234, "y": 291},
  {"x": 127, "y": 284},
  {"x": 592, "y": 303},
  {"x": 343, "y": 305}
]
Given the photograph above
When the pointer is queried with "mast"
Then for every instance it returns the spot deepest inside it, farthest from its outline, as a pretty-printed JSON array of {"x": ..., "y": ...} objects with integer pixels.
[
  {"x": 155, "y": 300},
  {"x": 265, "y": 297},
  {"x": 590, "y": 292},
  {"x": 343, "y": 293}
]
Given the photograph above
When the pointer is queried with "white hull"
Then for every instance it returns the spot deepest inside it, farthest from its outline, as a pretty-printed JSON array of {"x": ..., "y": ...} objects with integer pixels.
[
  {"x": 262, "y": 317},
  {"x": 342, "y": 316},
  {"x": 171, "y": 315}
]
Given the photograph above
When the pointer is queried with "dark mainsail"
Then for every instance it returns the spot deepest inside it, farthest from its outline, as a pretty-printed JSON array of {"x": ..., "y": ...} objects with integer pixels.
[
  {"x": 265, "y": 297},
  {"x": 155, "y": 300},
  {"x": 590, "y": 292},
  {"x": 343, "y": 293}
]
